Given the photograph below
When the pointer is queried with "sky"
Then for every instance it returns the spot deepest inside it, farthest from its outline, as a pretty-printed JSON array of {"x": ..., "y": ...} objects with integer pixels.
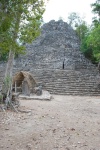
[{"x": 56, "y": 9}]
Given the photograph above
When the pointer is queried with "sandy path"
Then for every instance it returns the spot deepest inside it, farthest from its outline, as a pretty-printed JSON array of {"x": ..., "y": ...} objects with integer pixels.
[{"x": 64, "y": 123}]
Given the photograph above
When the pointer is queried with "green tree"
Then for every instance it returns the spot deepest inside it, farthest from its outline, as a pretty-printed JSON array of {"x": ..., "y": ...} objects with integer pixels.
[
  {"x": 20, "y": 22},
  {"x": 96, "y": 10},
  {"x": 82, "y": 30},
  {"x": 93, "y": 41},
  {"x": 89, "y": 36},
  {"x": 78, "y": 24},
  {"x": 74, "y": 20}
]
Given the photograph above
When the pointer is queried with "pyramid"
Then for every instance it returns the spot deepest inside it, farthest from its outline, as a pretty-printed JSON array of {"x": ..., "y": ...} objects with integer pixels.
[
  {"x": 58, "y": 47},
  {"x": 56, "y": 62}
]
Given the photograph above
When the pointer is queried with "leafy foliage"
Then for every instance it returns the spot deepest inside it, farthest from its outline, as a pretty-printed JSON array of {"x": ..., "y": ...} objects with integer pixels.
[
  {"x": 74, "y": 20},
  {"x": 88, "y": 35},
  {"x": 93, "y": 41},
  {"x": 96, "y": 11},
  {"x": 19, "y": 23},
  {"x": 82, "y": 30},
  {"x": 91, "y": 44}
]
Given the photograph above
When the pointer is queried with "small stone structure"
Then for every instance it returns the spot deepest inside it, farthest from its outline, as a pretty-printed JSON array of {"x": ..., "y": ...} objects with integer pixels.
[
  {"x": 24, "y": 83},
  {"x": 38, "y": 90}
]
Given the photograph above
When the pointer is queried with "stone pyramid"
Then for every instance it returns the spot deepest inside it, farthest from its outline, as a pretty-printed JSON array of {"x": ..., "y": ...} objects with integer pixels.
[
  {"x": 57, "y": 47},
  {"x": 56, "y": 62}
]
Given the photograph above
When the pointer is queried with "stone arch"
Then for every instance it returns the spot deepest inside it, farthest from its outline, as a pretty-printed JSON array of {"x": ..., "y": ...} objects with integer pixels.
[{"x": 20, "y": 77}]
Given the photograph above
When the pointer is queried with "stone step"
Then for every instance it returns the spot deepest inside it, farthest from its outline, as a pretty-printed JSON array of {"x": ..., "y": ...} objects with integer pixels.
[
  {"x": 65, "y": 78},
  {"x": 70, "y": 90},
  {"x": 68, "y": 82},
  {"x": 73, "y": 92},
  {"x": 76, "y": 94},
  {"x": 69, "y": 87},
  {"x": 78, "y": 84},
  {"x": 63, "y": 74},
  {"x": 72, "y": 87}
]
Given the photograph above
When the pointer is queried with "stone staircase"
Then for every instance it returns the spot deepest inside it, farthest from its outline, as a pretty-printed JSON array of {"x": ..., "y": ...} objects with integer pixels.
[
  {"x": 65, "y": 82},
  {"x": 82, "y": 82},
  {"x": 68, "y": 82}
]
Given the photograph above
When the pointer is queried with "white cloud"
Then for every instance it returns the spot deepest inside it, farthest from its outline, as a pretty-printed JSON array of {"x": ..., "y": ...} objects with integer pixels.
[{"x": 62, "y": 8}]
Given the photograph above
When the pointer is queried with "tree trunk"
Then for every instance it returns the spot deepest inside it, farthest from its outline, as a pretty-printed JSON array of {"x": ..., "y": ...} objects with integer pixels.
[
  {"x": 9, "y": 67},
  {"x": 7, "y": 84}
]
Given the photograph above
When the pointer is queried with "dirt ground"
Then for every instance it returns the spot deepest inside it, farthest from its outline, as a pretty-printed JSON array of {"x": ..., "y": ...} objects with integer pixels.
[{"x": 64, "y": 123}]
